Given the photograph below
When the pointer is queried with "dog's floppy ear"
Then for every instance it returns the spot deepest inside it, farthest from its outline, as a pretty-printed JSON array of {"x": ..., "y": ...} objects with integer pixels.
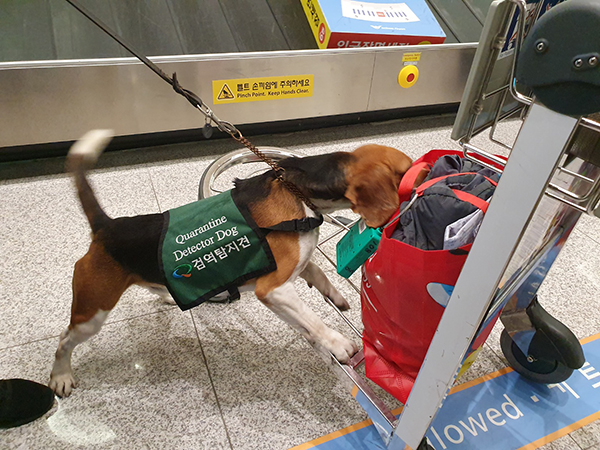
[
  {"x": 373, "y": 182},
  {"x": 373, "y": 195},
  {"x": 398, "y": 162}
]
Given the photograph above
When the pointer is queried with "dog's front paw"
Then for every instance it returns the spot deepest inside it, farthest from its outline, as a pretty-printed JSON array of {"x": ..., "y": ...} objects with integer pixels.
[
  {"x": 339, "y": 300},
  {"x": 62, "y": 384},
  {"x": 341, "y": 347}
]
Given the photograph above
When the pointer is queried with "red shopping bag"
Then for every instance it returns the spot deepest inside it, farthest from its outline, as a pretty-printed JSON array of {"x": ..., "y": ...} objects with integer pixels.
[{"x": 403, "y": 296}]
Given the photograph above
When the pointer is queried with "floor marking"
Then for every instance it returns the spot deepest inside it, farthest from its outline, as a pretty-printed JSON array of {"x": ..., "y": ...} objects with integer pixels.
[
  {"x": 499, "y": 411},
  {"x": 569, "y": 389}
]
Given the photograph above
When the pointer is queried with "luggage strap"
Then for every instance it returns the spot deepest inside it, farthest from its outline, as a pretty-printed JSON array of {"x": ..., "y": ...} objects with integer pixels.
[{"x": 462, "y": 195}]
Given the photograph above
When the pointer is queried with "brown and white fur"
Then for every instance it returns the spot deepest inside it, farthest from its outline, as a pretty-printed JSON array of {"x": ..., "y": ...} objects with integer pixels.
[{"x": 124, "y": 251}]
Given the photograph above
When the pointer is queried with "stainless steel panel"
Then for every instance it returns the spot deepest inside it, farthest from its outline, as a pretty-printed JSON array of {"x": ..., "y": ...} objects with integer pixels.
[
  {"x": 443, "y": 70},
  {"x": 53, "y": 101}
]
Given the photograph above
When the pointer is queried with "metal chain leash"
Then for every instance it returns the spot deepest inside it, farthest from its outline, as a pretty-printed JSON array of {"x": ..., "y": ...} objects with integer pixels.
[
  {"x": 197, "y": 102},
  {"x": 229, "y": 128}
]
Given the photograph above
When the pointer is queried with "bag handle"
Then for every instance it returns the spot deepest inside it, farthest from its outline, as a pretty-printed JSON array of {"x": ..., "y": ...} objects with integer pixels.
[
  {"x": 433, "y": 181},
  {"x": 472, "y": 199},
  {"x": 462, "y": 195},
  {"x": 407, "y": 184}
]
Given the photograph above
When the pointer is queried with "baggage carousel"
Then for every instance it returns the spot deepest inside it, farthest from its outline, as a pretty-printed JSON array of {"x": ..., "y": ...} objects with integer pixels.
[{"x": 60, "y": 75}]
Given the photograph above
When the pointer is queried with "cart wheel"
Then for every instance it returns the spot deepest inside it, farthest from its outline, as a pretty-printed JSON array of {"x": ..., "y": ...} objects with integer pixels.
[{"x": 539, "y": 371}]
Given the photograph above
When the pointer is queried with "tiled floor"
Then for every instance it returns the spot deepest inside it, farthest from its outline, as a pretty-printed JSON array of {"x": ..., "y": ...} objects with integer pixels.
[{"x": 221, "y": 376}]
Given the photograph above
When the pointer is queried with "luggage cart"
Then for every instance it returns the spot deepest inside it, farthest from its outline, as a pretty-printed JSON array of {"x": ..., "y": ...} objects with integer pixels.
[
  {"x": 544, "y": 189},
  {"x": 551, "y": 178}
]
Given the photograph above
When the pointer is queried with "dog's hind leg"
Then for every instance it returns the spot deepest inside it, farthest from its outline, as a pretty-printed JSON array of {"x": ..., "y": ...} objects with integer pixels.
[
  {"x": 98, "y": 283},
  {"x": 314, "y": 276},
  {"x": 62, "y": 380}
]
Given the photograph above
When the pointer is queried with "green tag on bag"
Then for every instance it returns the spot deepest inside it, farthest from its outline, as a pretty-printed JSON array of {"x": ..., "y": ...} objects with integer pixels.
[{"x": 355, "y": 247}]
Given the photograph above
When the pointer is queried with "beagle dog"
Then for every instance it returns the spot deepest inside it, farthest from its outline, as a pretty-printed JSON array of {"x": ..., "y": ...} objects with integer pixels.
[{"x": 124, "y": 251}]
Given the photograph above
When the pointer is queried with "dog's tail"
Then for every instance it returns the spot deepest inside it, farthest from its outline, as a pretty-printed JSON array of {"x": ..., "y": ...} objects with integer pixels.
[{"x": 83, "y": 156}]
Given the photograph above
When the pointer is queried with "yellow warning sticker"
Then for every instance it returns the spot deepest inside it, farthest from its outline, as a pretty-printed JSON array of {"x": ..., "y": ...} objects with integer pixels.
[
  {"x": 225, "y": 93},
  {"x": 264, "y": 88},
  {"x": 411, "y": 57}
]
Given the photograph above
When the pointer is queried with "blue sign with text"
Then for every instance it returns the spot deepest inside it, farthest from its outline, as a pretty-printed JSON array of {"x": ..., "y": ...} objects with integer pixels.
[{"x": 505, "y": 412}]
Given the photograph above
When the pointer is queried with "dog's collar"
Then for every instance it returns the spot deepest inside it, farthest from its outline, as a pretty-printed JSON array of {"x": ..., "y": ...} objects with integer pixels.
[{"x": 297, "y": 225}]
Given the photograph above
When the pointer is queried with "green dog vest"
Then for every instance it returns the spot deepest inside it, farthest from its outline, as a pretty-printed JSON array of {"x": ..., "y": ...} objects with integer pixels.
[{"x": 211, "y": 246}]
